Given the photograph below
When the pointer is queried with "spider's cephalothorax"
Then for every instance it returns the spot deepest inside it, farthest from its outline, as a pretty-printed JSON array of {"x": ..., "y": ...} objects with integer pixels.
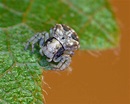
[{"x": 58, "y": 45}]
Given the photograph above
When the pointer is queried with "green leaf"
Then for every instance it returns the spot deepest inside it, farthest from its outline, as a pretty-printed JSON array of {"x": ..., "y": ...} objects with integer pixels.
[{"x": 21, "y": 71}]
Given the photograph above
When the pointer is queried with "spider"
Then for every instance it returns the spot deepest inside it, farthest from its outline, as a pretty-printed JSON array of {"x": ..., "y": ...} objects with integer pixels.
[{"x": 58, "y": 45}]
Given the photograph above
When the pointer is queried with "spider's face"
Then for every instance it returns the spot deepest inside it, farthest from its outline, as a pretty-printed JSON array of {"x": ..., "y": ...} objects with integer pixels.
[{"x": 67, "y": 37}]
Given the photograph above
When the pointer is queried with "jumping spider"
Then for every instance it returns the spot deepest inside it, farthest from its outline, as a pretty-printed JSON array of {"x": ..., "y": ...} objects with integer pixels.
[{"x": 58, "y": 45}]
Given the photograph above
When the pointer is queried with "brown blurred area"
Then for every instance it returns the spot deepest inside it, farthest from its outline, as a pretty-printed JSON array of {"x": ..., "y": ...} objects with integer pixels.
[{"x": 97, "y": 77}]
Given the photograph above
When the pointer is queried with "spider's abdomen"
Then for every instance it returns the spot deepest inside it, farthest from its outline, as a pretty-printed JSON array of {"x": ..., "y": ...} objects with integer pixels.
[{"x": 52, "y": 47}]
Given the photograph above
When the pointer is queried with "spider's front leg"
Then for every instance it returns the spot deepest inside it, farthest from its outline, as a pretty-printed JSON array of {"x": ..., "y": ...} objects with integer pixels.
[
  {"x": 39, "y": 37},
  {"x": 64, "y": 62}
]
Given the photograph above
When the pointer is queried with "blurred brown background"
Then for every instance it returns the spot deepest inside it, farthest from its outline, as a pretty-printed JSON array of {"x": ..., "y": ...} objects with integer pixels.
[{"x": 97, "y": 78}]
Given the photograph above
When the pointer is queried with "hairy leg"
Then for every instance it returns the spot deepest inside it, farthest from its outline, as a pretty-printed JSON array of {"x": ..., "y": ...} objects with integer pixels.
[
  {"x": 39, "y": 37},
  {"x": 64, "y": 62},
  {"x": 31, "y": 40},
  {"x": 42, "y": 41},
  {"x": 44, "y": 38},
  {"x": 57, "y": 59}
]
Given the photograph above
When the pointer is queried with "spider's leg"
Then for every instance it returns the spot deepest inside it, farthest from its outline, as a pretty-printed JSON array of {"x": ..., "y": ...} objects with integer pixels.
[
  {"x": 41, "y": 52},
  {"x": 49, "y": 59},
  {"x": 58, "y": 65},
  {"x": 41, "y": 42},
  {"x": 29, "y": 41},
  {"x": 63, "y": 63},
  {"x": 37, "y": 38},
  {"x": 51, "y": 32},
  {"x": 67, "y": 62},
  {"x": 71, "y": 53},
  {"x": 57, "y": 59},
  {"x": 33, "y": 40},
  {"x": 46, "y": 36},
  {"x": 43, "y": 39}
]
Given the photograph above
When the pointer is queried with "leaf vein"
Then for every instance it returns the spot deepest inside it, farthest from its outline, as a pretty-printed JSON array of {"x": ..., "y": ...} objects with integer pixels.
[{"x": 11, "y": 10}]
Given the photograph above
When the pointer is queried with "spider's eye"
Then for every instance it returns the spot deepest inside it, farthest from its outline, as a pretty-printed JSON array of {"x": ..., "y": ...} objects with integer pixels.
[
  {"x": 63, "y": 38},
  {"x": 74, "y": 37}
]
